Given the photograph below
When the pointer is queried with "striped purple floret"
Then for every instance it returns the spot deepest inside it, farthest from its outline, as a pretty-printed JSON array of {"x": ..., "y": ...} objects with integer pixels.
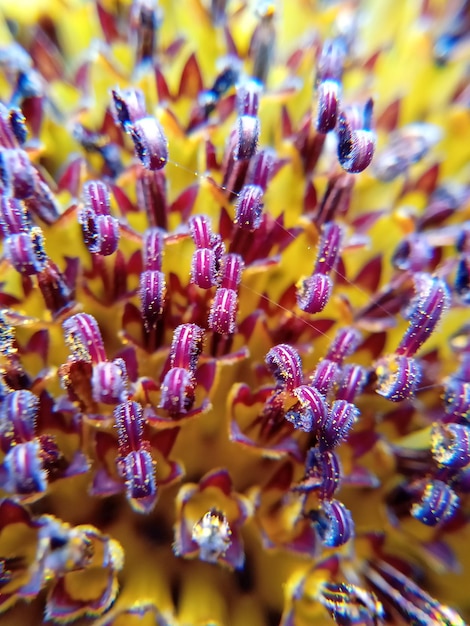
[
  {"x": 223, "y": 312},
  {"x": 427, "y": 309},
  {"x": 284, "y": 363}
]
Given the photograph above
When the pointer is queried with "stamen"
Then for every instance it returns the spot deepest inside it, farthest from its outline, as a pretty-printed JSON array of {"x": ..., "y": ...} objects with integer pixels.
[
  {"x": 313, "y": 293},
  {"x": 129, "y": 421},
  {"x": 426, "y": 313},
  {"x": 152, "y": 293},
  {"x": 355, "y": 146},
  {"x": 397, "y": 377},
  {"x": 310, "y": 412},
  {"x": 284, "y": 363},
  {"x": 177, "y": 391},
  {"x": 346, "y": 341},
  {"x": 83, "y": 338},
  {"x": 141, "y": 485},
  {"x": 26, "y": 251},
  {"x": 333, "y": 523},
  {"x": 450, "y": 445},
  {"x": 150, "y": 143},
  {"x": 337, "y": 424},
  {"x": 109, "y": 382},
  {"x": 223, "y": 312},
  {"x": 203, "y": 268},
  {"x": 186, "y": 347},
  {"x": 437, "y": 503},
  {"x": 18, "y": 415},
  {"x": 249, "y": 208}
]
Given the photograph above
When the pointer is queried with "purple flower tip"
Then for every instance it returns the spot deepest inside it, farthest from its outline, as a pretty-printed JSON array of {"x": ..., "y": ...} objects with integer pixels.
[
  {"x": 100, "y": 232},
  {"x": 248, "y": 97},
  {"x": 17, "y": 174},
  {"x": 324, "y": 376},
  {"x": 246, "y": 137},
  {"x": 284, "y": 363},
  {"x": 203, "y": 268},
  {"x": 314, "y": 292},
  {"x": 331, "y": 60},
  {"x": 128, "y": 107},
  {"x": 450, "y": 445},
  {"x": 437, "y": 502},
  {"x": 344, "y": 344},
  {"x": 337, "y": 424},
  {"x": 141, "y": 485},
  {"x": 457, "y": 398},
  {"x": 186, "y": 347},
  {"x": 109, "y": 382},
  {"x": 152, "y": 291},
  {"x": 18, "y": 415},
  {"x": 83, "y": 338},
  {"x": 152, "y": 249},
  {"x": 25, "y": 473},
  {"x": 328, "y": 104},
  {"x": 26, "y": 251},
  {"x": 128, "y": 417},
  {"x": 96, "y": 195},
  {"x": 426, "y": 310},
  {"x": 333, "y": 523},
  {"x": 249, "y": 208},
  {"x": 356, "y": 146},
  {"x": 14, "y": 216},
  {"x": 223, "y": 312},
  {"x": 310, "y": 411},
  {"x": 150, "y": 143},
  {"x": 231, "y": 268},
  {"x": 177, "y": 391},
  {"x": 397, "y": 377}
]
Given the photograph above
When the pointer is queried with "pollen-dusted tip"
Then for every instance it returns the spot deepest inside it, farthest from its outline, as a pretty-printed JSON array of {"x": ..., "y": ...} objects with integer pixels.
[
  {"x": 141, "y": 485},
  {"x": 223, "y": 312},
  {"x": 26, "y": 251},
  {"x": 356, "y": 141},
  {"x": 177, "y": 391},
  {"x": 333, "y": 523},
  {"x": 152, "y": 293},
  {"x": 204, "y": 268},
  {"x": 150, "y": 143},
  {"x": 129, "y": 420},
  {"x": 397, "y": 377},
  {"x": 450, "y": 445},
  {"x": 313, "y": 293},
  {"x": 437, "y": 503},
  {"x": 128, "y": 107},
  {"x": 310, "y": 411},
  {"x": 328, "y": 106},
  {"x": 249, "y": 208},
  {"x": 246, "y": 139},
  {"x": 109, "y": 382},
  {"x": 186, "y": 346},
  {"x": 283, "y": 361},
  {"x": 337, "y": 424},
  {"x": 14, "y": 216}
]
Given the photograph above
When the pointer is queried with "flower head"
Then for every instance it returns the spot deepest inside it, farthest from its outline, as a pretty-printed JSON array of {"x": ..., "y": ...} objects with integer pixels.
[{"x": 234, "y": 359}]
